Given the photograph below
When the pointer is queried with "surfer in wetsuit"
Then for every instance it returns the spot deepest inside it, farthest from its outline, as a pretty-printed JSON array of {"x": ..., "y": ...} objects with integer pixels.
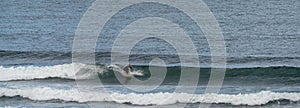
[
  {"x": 127, "y": 72},
  {"x": 127, "y": 69}
]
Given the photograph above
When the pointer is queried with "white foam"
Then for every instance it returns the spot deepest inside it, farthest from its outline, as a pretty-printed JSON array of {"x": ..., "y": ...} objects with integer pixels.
[
  {"x": 117, "y": 68},
  {"x": 68, "y": 71},
  {"x": 11, "y": 107},
  {"x": 44, "y": 94}
]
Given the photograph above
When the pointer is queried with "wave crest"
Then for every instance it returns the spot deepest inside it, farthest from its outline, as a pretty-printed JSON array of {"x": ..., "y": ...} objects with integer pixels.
[{"x": 67, "y": 71}]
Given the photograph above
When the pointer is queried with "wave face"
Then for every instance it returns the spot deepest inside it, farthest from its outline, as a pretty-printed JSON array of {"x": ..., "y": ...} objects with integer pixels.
[
  {"x": 42, "y": 58},
  {"x": 83, "y": 71},
  {"x": 73, "y": 95}
]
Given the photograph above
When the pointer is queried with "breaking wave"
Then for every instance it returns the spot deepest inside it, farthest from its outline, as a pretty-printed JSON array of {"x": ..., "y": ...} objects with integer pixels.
[
  {"x": 66, "y": 71},
  {"x": 82, "y": 71},
  {"x": 73, "y": 95}
]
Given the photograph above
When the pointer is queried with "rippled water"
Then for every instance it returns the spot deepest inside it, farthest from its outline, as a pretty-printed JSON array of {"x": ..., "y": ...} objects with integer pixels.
[{"x": 262, "y": 41}]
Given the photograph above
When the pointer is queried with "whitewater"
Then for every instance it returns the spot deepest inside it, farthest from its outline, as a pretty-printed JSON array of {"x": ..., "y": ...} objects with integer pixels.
[{"x": 73, "y": 95}]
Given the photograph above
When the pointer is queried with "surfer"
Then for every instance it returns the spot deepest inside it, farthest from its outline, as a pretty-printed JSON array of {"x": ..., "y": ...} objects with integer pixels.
[{"x": 127, "y": 69}]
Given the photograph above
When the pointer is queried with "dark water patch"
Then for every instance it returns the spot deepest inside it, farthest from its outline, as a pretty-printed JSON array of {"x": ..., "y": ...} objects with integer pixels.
[
  {"x": 286, "y": 75},
  {"x": 265, "y": 72}
]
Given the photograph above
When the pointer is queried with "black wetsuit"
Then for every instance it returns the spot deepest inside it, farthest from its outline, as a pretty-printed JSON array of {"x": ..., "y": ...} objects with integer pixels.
[{"x": 127, "y": 69}]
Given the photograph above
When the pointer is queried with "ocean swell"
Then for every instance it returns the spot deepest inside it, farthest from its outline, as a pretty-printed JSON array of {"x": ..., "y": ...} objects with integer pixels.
[{"x": 82, "y": 71}]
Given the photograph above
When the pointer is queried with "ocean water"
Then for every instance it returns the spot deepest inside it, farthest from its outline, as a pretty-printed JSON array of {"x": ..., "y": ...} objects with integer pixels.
[{"x": 262, "y": 40}]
